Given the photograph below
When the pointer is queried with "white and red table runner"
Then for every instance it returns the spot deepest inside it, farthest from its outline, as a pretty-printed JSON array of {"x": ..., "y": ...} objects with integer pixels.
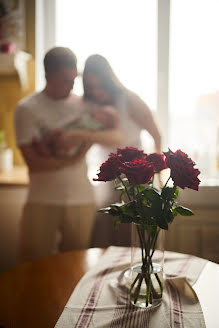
[{"x": 101, "y": 299}]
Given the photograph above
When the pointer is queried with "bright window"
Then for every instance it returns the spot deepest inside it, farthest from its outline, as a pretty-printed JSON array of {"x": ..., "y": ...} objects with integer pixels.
[
  {"x": 124, "y": 31},
  {"x": 194, "y": 82}
]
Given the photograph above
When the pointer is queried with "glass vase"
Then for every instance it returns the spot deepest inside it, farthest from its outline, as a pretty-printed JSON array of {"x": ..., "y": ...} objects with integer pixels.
[{"x": 146, "y": 272}]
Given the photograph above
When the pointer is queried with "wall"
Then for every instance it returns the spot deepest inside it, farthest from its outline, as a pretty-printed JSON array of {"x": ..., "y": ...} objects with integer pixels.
[
  {"x": 10, "y": 89},
  {"x": 198, "y": 234},
  {"x": 12, "y": 199}
]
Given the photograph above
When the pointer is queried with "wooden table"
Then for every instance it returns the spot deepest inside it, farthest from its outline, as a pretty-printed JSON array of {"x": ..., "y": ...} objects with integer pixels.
[
  {"x": 34, "y": 294},
  {"x": 17, "y": 176}
]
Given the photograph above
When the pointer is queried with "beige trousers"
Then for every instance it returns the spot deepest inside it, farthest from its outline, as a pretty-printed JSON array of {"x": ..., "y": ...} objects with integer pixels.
[{"x": 48, "y": 229}]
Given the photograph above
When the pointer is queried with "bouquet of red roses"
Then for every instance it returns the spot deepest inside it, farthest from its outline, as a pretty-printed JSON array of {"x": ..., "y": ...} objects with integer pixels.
[
  {"x": 150, "y": 208},
  {"x": 133, "y": 173}
]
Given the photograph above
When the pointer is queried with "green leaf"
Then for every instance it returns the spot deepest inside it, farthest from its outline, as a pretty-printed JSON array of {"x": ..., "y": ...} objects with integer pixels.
[
  {"x": 183, "y": 211},
  {"x": 126, "y": 219},
  {"x": 141, "y": 188},
  {"x": 151, "y": 194},
  {"x": 169, "y": 216},
  {"x": 117, "y": 204},
  {"x": 129, "y": 209},
  {"x": 174, "y": 212},
  {"x": 147, "y": 212},
  {"x": 131, "y": 190},
  {"x": 104, "y": 210},
  {"x": 113, "y": 209},
  {"x": 169, "y": 193},
  {"x": 177, "y": 192},
  {"x": 119, "y": 187},
  {"x": 162, "y": 223},
  {"x": 122, "y": 195}
]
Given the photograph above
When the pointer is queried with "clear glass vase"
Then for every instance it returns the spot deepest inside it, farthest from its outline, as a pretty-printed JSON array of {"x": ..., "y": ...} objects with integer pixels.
[{"x": 146, "y": 272}]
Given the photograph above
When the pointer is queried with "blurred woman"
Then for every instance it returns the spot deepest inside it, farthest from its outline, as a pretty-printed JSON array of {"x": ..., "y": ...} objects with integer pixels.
[{"x": 103, "y": 87}]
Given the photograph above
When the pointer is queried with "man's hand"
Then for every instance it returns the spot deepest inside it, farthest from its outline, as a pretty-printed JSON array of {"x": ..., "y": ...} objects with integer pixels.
[
  {"x": 66, "y": 140},
  {"x": 41, "y": 148},
  {"x": 51, "y": 137}
]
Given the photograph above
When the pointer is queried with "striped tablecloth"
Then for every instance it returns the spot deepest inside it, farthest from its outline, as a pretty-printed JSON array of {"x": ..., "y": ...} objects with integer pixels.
[{"x": 101, "y": 298}]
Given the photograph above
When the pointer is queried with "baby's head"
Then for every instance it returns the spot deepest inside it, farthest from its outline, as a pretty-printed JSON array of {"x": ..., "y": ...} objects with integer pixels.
[{"x": 103, "y": 115}]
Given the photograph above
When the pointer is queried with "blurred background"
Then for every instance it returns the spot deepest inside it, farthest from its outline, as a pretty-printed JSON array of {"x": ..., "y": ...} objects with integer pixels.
[{"x": 164, "y": 50}]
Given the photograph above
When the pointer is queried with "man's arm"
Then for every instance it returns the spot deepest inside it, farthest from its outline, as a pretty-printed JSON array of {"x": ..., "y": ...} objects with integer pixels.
[
  {"x": 37, "y": 163},
  {"x": 109, "y": 138}
]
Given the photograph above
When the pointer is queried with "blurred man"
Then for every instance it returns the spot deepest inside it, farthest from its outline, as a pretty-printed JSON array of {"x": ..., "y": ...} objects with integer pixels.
[{"x": 59, "y": 211}]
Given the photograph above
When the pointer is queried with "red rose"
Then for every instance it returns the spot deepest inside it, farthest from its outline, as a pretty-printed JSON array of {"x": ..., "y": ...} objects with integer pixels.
[
  {"x": 128, "y": 154},
  {"x": 110, "y": 169},
  {"x": 138, "y": 171},
  {"x": 157, "y": 160},
  {"x": 182, "y": 170}
]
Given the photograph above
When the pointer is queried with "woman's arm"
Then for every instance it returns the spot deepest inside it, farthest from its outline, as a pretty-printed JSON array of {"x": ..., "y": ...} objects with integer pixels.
[
  {"x": 109, "y": 137},
  {"x": 143, "y": 116}
]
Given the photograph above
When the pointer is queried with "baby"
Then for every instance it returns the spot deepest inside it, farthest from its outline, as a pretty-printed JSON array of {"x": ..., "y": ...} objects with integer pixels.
[
  {"x": 97, "y": 118},
  {"x": 92, "y": 117}
]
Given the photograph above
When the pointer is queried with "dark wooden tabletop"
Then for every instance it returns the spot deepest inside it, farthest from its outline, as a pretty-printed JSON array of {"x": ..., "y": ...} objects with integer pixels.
[{"x": 34, "y": 294}]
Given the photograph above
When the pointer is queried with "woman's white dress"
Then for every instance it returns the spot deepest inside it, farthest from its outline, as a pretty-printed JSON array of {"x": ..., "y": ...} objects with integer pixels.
[{"x": 104, "y": 233}]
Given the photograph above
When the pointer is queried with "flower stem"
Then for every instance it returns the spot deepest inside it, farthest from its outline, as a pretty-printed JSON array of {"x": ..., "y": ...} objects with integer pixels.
[
  {"x": 166, "y": 182},
  {"x": 137, "y": 291},
  {"x": 148, "y": 294},
  {"x": 154, "y": 243},
  {"x": 126, "y": 190},
  {"x": 152, "y": 181},
  {"x": 146, "y": 284},
  {"x": 141, "y": 243},
  {"x": 159, "y": 282},
  {"x": 148, "y": 239},
  {"x": 134, "y": 282}
]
